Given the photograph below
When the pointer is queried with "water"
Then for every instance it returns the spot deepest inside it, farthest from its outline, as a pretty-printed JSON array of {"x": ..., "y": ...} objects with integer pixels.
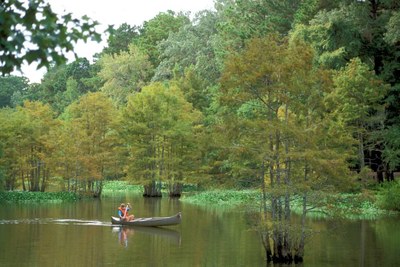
[{"x": 80, "y": 234}]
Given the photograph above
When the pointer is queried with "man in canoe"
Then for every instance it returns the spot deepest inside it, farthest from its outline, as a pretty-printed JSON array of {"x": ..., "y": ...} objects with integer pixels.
[{"x": 123, "y": 212}]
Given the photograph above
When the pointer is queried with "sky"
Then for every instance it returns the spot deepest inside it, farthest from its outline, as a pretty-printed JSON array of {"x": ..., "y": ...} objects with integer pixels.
[{"x": 116, "y": 12}]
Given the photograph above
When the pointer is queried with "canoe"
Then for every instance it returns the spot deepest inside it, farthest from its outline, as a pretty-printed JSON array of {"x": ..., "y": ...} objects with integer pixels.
[{"x": 152, "y": 221}]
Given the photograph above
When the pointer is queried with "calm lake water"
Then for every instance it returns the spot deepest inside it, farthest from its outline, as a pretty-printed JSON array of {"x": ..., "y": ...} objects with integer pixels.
[{"x": 80, "y": 234}]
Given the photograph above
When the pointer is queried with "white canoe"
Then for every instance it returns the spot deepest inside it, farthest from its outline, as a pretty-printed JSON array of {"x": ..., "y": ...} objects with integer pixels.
[{"x": 151, "y": 221}]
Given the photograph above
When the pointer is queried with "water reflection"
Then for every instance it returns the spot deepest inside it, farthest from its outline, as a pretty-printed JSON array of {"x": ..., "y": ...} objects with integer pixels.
[
  {"x": 123, "y": 233},
  {"x": 126, "y": 232},
  {"x": 80, "y": 222},
  {"x": 81, "y": 234}
]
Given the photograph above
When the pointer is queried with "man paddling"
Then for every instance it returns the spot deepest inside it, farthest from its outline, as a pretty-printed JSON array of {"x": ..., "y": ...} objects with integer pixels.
[{"x": 123, "y": 212}]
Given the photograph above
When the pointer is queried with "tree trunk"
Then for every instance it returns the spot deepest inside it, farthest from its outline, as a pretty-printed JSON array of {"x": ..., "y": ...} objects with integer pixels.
[
  {"x": 175, "y": 189},
  {"x": 23, "y": 181},
  {"x": 152, "y": 189},
  {"x": 298, "y": 257},
  {"x": 265, "y": 233}
]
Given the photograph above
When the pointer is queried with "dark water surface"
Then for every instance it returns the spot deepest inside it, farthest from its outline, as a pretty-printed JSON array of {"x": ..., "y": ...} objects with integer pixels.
[{"x": 80, "y": 234}]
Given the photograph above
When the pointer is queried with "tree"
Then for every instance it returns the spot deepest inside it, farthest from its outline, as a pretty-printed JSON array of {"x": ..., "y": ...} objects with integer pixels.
[
  {"x": 365, "y": 30},
  {"x": 278, "y": 132},
  {"x": 12, "y": 142},
  {"x": 357, "y": 104},
  {"x": 64, "y": 84},
  {"x": 32, "y": 32},
  {"x": 124, "y": 74},
  {"x": 157, "y": 29},
  {"x": 120, "y": 39},
  {"x": 41, "y": 123},
  {"x": 188, "y": 57},
  {"x": 9, "y": 86},
  {"x": 392, "y": 35},
  {"x": 160, "y": 128},
  {"x": 241, "y": 20},
  {"x": 192, "y": 46},
  {"x": 27, "y": 144},
  {"x": 90, "y": 142}
]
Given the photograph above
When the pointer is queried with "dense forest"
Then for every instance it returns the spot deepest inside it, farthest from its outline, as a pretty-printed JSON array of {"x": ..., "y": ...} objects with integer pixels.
[{"x": 296, "y": 98}]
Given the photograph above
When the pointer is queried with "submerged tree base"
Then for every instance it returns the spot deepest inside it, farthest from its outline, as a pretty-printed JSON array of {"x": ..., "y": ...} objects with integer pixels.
[
  {"x": 298, "y": 259},
  {"x": 152, "y": 189},
  {"x": 175, "y": 189}
]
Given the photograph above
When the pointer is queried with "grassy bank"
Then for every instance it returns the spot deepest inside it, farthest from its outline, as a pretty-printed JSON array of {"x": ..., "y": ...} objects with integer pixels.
[{"x": 33, "y": 197}]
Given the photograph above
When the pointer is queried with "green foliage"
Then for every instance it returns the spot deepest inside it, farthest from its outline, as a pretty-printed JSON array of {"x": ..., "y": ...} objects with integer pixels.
[
  {"x": 348, "y": 206},
  {"x": 63, "y": 84},
  {"x": 157, "y": 29},
  {"x": 20, "y": 196},
  {"x": 392, "y": 35},
  {"x": 306, "y": 11},
  {"x": 117, "y": 186},
  {"x": 124, "y": 74},
  {"x": 358, "y": 92},
  {"x": 89, "y": 147},
  {"x": 389, "y": 196},
  {"x": 10, "y": 86},
  {"x": 190, "y": 47},
  {"x": 120, "y": 39},
  {"x": 356, "y": 102},
  {"x": 160, "y": 128},
  {"x": 2, "y": 176},
  {"x": 227, "y": 198},
  {"x": 30, "y": 31},
  {"x": 27, "y": 145},
  {"x": 358, "y": 206},
  {"x": 391, "y": 154},
  {"x": 332, "y": 34}
]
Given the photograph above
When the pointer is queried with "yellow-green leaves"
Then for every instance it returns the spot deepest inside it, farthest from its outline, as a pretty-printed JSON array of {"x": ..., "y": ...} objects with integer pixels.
[
  {"x": 124, "y": 74},
  {"x": 28, "y": 144},
  {"x": 357, "y": 92},
  {"x": 160, "y": 130},
  {"x": 90, "y": 136}
]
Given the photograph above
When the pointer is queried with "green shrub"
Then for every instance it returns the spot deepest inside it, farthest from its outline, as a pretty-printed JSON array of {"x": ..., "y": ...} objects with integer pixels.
[{"x": 389, "y": 196}]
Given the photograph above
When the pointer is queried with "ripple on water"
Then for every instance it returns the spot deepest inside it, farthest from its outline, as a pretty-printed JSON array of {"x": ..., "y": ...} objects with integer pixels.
[{"x": 56, "y": 221}]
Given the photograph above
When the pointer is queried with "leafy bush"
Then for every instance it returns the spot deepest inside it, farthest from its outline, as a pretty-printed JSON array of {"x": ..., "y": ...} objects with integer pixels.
[{"x": 389, "y": 196}]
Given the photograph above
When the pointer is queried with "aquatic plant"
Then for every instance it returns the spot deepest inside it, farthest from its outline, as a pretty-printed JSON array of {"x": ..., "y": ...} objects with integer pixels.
[
  {"x": 222, "y": 197},
  {"x": 348, "y": 206},
  {"x": 24, "y": 196},
  {"x": 121, "y": 186}
]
